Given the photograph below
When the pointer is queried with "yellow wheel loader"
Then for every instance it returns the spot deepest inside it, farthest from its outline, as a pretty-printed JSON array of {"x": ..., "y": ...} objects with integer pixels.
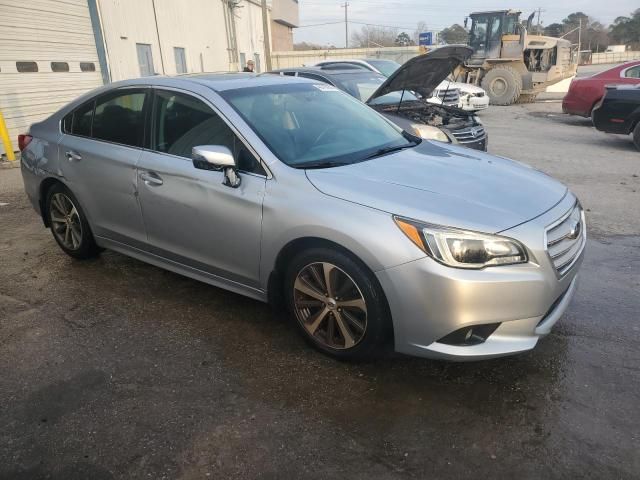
[{"x": 512, "y": 65}]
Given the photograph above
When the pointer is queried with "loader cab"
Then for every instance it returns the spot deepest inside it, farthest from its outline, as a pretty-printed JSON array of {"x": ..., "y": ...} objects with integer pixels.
[{"x": 487, "y": 29}]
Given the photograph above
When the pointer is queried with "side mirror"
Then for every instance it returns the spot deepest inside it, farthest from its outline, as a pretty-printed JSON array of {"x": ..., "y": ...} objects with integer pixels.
[{"x": 217, "y": 157}]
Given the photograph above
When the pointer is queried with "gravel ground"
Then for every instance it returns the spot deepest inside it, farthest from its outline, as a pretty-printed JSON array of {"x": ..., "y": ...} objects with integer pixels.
[{"x": 116, "y": 369}]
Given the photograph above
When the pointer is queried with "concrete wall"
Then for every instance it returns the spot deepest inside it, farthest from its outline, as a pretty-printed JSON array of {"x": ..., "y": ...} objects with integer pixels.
[
  {"x": 281, "y": 36},
  {"x": 285, "y": 12},
  {"x": 616, "y": 57},
  {"x": 310, "y": 57}
]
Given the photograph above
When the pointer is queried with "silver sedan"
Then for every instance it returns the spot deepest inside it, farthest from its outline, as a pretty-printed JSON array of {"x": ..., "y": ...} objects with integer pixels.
[{"x": 290, "y": 191}]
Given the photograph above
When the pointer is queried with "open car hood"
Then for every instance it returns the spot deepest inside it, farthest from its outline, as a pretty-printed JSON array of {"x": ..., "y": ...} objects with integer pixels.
[{"x": 422, "y": 74}]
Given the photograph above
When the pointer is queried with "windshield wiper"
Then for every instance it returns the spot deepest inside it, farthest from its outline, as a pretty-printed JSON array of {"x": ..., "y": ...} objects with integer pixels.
[
  {"x": 322, "y": 164},
  {"x": 386, "y": 150}
]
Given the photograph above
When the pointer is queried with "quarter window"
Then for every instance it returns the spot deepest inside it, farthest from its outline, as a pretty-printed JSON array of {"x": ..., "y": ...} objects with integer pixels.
[
  {"x": 633, "y": 72},
  {"x": 78, "y": 122},
  {"x": 118, "y": 118},
  {"x": 182, "y": 122}
]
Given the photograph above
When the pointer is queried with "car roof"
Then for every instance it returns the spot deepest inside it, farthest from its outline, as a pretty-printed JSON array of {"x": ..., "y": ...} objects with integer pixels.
[
  {"x": 215, "y": 81},
  {"x": 328, "y": 73}
]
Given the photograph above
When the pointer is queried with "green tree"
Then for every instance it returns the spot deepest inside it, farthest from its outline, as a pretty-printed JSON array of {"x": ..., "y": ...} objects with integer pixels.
[
  {"x": 554, "y": 30},
  {"x": 454, "y": 34},
  {"x": 626, "y": 30},
  {"x": 403, "y": 39}
]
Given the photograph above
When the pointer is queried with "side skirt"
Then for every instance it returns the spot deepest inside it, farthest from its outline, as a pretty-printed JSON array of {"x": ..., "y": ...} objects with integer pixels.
[{"x": 181, "y": 269}]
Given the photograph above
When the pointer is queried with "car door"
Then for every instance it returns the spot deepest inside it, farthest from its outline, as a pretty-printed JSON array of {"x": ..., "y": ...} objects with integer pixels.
[
  {"x": 191, "y": 217},
  {"x": 99, "y": 150}
]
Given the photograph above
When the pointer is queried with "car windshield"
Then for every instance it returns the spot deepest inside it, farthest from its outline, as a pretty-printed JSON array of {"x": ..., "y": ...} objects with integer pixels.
[
  {"x": 386, "y": 67},
  {"x": 364, "y": 84},
  {"x": 310, "y": 125}
]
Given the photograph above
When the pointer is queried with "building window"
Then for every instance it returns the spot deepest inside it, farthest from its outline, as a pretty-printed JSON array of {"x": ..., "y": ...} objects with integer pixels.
[
  {"x": 243, "y": 61},
  {"x": 59, "y": 67},
  {"x": 87, "y": 67},
  {"x": 256, "y": 57},
  {"x": 145, "y": 59},
  {"x": 181, "y": 60},
  {"x": 27, "y": 67}
]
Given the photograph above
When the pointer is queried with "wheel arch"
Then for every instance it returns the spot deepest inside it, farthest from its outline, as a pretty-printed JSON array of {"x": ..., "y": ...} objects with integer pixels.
[
  {"x": 275, "y": 285},
  {"x": 44, "y": 187}
]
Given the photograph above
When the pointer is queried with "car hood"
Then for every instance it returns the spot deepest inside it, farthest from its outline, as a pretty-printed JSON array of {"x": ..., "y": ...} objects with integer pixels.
[
  {"x": 423, "y": 73},
  {"x": 445, "y": 185}
]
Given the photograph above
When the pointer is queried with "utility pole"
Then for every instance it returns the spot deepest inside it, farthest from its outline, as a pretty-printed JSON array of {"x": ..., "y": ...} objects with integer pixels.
[
  {"x": 540, "y": 10},
  {"x": 579, "y": 40},
  {"x": 345, "y": 5},
  {"x": 265, "y": 33}
]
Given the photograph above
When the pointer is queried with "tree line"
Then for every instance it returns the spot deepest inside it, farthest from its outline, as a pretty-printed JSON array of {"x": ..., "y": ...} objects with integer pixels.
[{"x": 625, "y": 30}]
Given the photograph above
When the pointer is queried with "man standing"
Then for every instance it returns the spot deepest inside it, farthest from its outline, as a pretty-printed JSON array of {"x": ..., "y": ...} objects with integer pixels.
[{"x": 249, "y": 67}]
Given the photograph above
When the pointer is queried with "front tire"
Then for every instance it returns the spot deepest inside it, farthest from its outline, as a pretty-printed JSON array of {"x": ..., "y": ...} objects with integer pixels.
[
  {"x": 337, "y": 304},
  {"x": 503, "y": 85},
  {"x": 636, "y": 136},
  {"x": 69, "y": 224}
]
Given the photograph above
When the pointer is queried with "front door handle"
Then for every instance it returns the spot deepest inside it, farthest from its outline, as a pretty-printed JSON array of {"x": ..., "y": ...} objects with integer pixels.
[
  {"x": 73, "y": 156},
  {"x": 151, "y": 179}
]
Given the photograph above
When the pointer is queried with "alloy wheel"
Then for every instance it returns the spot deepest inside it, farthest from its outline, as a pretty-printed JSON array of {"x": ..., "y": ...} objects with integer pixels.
[
  {"x": 65, "y": 221},
  {"x": 330, "y": 306}
]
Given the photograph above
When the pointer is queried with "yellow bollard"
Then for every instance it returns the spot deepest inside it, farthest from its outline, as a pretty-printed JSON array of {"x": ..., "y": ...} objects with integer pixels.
[{"x": 6, "y": 141}]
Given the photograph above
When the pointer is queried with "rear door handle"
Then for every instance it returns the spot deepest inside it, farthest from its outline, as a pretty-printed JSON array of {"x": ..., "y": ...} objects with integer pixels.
[
  {"x": 151, "y": 179},
  {"x": 73, "y": 156}
]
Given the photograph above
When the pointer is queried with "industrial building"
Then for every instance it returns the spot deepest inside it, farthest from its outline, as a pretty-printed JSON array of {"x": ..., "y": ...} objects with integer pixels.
[{"x": 52, "y": 51}]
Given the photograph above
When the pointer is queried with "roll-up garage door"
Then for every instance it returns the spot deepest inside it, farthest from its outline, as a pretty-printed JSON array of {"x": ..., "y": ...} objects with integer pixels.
[{"x": 48, "y": 57}]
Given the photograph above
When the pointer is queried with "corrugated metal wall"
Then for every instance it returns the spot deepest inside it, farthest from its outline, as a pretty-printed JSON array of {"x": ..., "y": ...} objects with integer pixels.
[{"x": 43, "y": 31}]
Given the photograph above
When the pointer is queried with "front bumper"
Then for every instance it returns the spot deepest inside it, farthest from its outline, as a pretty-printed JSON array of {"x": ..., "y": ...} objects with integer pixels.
[
  {"x": 428, "y": 301},
  {"x": 474, "y": 104}
]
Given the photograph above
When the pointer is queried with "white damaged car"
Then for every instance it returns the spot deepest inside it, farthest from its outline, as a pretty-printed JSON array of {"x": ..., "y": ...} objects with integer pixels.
[{"x": 462, "y": 95}]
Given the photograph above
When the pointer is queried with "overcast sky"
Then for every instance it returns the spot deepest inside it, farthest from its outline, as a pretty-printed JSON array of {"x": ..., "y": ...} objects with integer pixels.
[{"x": 437, "y": 14}]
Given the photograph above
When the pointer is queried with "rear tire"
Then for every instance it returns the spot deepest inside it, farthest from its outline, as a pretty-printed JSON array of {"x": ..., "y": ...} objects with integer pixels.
[
  {"x": 349, "y": 319},
  {"x": 69, "y": 224},
  {"x": 503, "y": 85},
  {"x": 636, "y": 136}
]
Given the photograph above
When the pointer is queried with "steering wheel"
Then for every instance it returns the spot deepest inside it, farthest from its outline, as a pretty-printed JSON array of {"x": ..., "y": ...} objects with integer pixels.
[{"x": 324, "y": 134}]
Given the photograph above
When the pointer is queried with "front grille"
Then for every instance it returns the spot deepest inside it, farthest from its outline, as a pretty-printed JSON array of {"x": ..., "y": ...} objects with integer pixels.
[
  {"x": 469, "y": 134},
  {"x": 449, "y": 97},
  {"x": 566, "y": 238}
]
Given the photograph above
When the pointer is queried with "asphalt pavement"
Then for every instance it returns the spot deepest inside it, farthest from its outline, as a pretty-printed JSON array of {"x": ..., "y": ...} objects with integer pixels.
[{"x": 116, "y": 369}]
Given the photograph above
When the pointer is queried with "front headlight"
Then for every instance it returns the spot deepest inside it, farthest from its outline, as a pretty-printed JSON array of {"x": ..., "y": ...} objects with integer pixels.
[
  {"x": 430, "y": 133},
  {"x": 460, "y": 248}
]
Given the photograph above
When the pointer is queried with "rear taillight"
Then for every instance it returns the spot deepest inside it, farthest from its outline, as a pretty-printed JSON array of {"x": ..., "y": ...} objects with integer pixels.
[{"x": 23, "y": 141}]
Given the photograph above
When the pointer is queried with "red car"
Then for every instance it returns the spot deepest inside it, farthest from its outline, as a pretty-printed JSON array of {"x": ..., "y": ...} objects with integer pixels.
[{"x": 584, "y": 93}]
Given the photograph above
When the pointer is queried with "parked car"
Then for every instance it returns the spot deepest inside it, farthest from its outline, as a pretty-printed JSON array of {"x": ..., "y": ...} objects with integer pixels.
[
  {"x": 585, "y": 93},
  {"x": 463, "y": 95},
  {"x": 285, "y": 188},
  {"x": 393, "y": 98},
  {"x": 619, "y": 112}
]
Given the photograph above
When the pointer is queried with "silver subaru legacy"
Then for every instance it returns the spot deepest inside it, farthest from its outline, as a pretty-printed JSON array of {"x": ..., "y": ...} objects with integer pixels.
[{"x": 290, "y": 191}]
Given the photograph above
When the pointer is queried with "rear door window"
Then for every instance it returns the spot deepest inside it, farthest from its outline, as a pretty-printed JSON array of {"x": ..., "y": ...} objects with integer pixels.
[{"x": 119, "y": 117}]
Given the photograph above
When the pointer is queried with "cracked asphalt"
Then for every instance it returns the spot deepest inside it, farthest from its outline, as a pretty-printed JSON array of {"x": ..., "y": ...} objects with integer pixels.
[{"x": 115, "y": 369}]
